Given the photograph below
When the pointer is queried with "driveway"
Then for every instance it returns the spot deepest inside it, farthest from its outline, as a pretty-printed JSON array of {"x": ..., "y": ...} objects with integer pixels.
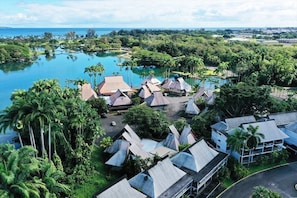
[{"x": 281, "y": 180}]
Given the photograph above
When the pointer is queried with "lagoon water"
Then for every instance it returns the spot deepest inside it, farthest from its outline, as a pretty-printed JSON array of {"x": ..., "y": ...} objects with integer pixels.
[{"x": 64, "y": 66}]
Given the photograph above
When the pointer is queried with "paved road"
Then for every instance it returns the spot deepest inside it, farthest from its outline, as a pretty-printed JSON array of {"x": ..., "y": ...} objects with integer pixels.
[{"x": 281, "y": 180}]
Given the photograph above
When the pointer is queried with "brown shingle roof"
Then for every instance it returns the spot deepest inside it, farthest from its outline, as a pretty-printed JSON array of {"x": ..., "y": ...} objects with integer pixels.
[{"x": 111, "y": 84}]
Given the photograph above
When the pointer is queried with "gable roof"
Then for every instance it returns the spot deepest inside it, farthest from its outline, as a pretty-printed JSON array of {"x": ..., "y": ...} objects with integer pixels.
[
  {"x": 156, "y": 99},
  {"x": 174, "y": 131},
  {"x": 157, "y": 179},
  {"x": 176, "y": 86},
  {"x": 283, "y": 118},
  {"x": 236, "y": 122},
  {"x": 192, "y": 107},
  {"x": 292, "y": 127},
  {"x": 137, "y": 151},
  {"x": 87, "y": 92},
  {"x": 171, "y": 141},
  {"x": 111, "y": 84},
  {"x": 121, "y": 189},
  {"x": 196, "y": 157},
  {"x": 268, "y": 129},
  {"x": 151, "y": 79},
  {"x": 147, "y": 89},
  {"x": 117, "y": 145},
  {"x": 117, "y": 159},
  {"x": 220, "y": 126},
  {"x": 187, "y": 137},
  {"x": 119, "y": 99}
]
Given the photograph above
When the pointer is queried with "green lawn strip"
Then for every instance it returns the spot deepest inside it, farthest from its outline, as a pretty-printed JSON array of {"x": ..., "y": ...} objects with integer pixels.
[
  {"x": 253, "y": 169},
  {"x": 98, "y": 181}
]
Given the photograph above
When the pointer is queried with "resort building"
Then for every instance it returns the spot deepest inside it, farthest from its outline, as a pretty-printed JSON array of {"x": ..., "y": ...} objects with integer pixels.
[
  {"x": 191, "y": 108},
  {"x": 157, "y": 100},
  {"x": 86, "y": 92},
  {"x": 111, "y": 84},
  {"x": 178, "y": 86},
  {"x": 273, "y": 137},
  {"x": 151, "y": 79},
  {"x": 119, "y": 100},
  {"x": 147, "y": 89}
]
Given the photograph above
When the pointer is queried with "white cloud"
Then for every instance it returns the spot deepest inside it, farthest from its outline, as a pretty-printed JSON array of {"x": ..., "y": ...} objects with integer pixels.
[{"x": 153, "y": 13}]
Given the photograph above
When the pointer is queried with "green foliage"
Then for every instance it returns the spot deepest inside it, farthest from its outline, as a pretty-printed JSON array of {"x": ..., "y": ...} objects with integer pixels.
[
  {"x": 262, "y": 192},
  {"x": 14, "y": 53},
  {"x": 149, "y": 123},
  {"x": 180, "y": 124},
  {"x": 223, "y": 174},
  {"x": 106, "y": 142},
  {"x": 201, "y": 124},
  {"x": 237, "y": 170},
  {"x": 240, "y": 99},
  {"x": 183, "y": 146},
  {"x": 25, "y": 175},
  {"x": 99, "y": 105}
]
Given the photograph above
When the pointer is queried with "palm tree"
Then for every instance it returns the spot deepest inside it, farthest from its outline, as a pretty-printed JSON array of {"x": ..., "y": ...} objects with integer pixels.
[
  {"x": 253, "y": 136},
  {"x": 236, "y": 141}
]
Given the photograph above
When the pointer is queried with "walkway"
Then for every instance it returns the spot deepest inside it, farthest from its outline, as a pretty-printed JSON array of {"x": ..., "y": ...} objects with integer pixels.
[{"x": 281, "y": 180}]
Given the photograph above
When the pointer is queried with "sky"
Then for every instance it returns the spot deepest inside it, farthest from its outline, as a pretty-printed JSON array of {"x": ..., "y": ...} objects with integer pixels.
[{"x": 148, "y": 13}]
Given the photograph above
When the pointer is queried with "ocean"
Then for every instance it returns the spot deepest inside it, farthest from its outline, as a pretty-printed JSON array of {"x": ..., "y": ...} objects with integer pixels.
[{"x": 57, "y": 32}]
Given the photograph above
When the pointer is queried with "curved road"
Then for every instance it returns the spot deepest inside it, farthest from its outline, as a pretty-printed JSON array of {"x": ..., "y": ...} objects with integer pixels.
[{"x": 281, "y": 180}]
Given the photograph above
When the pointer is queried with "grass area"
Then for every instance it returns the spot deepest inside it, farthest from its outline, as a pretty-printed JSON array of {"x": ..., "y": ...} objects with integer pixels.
[
  {"x": 256, "y": 168},
  {"x": 252, "y": 169},
  {"x": 96, "y": 182},
  {"x": 227, "y": 182}
]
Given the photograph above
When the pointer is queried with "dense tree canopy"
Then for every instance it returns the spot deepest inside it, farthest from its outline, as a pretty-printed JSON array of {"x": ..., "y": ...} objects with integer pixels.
[{"x": 149, "y": 123}]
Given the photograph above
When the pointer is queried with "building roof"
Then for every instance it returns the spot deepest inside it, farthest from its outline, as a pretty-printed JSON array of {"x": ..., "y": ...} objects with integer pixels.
[
  {"x": 157, "y": 179},
  {"x": 283, "y": 118},
  {"x": 120, "y": 99},
  {"x": 187, "y": 137},
  {"x": 147, "y": 89},
  {"x": 292, "y": 127},
  {"x": 87, "y": 92},
  {"x": 192, "y": 107},
  {"x": 196, "y": 157},
  {"x": 117, "y": 145},
  {"x": 236, "y": 122},
  {"x": 220, "y": 126},
  {"x": 268, "y": 129},
  {"x": 151, "y": 79},
  {"x": 138, "y": 151},
  {"x": 111, "y": 84},
  {"x": 163, "y": 152},
  {"x": 178, "y": 85},
  {"x": 117, "y": 159},
  {"x": 171, "y": 141},
  {"x": 156, "y": 99},
  {"x": 121, "y": 189},
  {"x": 131, "y": 133},
  {"x": 174, "y": 131}
]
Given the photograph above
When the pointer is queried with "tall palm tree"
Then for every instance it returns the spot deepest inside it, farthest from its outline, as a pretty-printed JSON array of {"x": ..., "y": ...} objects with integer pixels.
[
  {"x": 236, "y": 141},
  {"x": 253, "y": 136}
]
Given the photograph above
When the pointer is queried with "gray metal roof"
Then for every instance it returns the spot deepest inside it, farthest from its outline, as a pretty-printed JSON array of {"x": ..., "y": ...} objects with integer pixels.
[
  {"x": 121, "y": 189},
  {"x": 187, "y": 137},
  {"x": 137, "y": 151},
  {"x": 117, "y": 145},
  {"x": 292, "y": 127},
  {"x": 268, "y": 129},
  {"x": 236, "y": 122},
  {"x": 117, "y": 159},
  {"x": 284, "y": 118},
  {"x": 174, "y": 131},
  {"x": 197, "y": 156},
  {"x": 220, "y": 126},
  {"x": 192, "y": 107},
  {"x": 171, "y": 141},
  {"x": 157, "y": 179},
  {"x": 132, "y": 133}
]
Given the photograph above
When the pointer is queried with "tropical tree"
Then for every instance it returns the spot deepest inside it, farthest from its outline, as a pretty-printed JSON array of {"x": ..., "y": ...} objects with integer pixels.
[
  {"x": 24, "y": 175},
  {"x": 262, "y": 192},
  {"x": 237, "y": 140},
  {"x": 253, "y": 136}
]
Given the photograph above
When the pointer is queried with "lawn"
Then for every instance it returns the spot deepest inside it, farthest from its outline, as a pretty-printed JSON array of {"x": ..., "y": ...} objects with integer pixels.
[{"x": 96, "y": 182}]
